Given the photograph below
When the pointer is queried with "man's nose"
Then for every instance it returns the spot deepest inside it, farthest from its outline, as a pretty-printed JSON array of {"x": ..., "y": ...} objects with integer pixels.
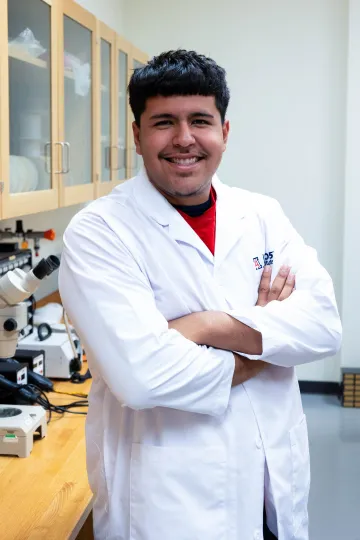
[{"x": 183, "y": 136}]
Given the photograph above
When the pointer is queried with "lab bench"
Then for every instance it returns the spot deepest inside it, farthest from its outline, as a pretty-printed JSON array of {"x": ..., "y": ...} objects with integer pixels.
[{"x": 47, "y": 495}]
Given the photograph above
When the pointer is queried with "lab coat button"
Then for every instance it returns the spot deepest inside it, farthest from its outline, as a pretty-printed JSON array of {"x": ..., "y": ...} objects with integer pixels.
[
  {"x": 257, "y": 535},
  {"x": 258, "y": 443}
]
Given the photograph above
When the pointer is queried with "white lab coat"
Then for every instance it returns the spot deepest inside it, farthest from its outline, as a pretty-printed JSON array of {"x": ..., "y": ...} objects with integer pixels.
[{"x": 173, "y": 451}]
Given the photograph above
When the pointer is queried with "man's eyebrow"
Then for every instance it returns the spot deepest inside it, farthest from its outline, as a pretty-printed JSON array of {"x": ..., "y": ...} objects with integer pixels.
[
  {"x": 171, "y": 116},
  {"x": 202, "y": 113},
  {"x": 161, "y": 115}
]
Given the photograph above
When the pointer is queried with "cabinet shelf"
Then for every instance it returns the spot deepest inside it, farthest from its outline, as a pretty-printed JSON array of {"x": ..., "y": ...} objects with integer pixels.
[{"x": 23, "y": 56}]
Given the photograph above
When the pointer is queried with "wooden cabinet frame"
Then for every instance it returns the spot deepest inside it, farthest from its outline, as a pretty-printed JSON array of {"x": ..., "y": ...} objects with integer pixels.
[
  {"x": 17, "y": 204},
  {"x": 109, "y": 35},
  {"x": 124, "y": 46},
  {"x": 60, "y": 195},
  {"x": 134, "y": 55},
  {"x": 76, "y": 194}
]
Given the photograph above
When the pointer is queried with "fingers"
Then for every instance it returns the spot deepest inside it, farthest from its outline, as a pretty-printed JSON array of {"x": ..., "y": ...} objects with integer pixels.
[
  {"x": 282, "y": 287},
  {"x": 288, "y": 287},
  {"x": 264, "y": 287},
  {"x": 279, "y": 283}
]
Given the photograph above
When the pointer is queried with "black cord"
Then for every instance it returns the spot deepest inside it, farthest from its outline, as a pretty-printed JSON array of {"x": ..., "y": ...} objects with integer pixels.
[
  {"x": 48, "y": 407},
  {"x": 31, "y": 393},
  {"x": 43, "y": 400}
]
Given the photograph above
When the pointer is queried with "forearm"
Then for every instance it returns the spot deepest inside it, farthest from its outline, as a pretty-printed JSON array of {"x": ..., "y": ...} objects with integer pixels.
[
  {"x": 219, "y": 330},
  {"x": 302, "y": 329}
]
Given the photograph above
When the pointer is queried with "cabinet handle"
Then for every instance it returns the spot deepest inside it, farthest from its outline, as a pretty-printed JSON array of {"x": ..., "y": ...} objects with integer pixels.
[
  {"x": 108, "y": 157},
  {"x": 135, "y": 160},
  {"x": 46, "y": 153},
  {"x": 121, "y": 163},
  {"x": 66, "y": 169},
  {"x": 49, "y": 157}
]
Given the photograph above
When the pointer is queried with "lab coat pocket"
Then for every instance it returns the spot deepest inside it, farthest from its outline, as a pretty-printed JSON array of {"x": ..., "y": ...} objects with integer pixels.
[
  {"x": 300, "y": 475},
  {"x": 178, "y": 493}
]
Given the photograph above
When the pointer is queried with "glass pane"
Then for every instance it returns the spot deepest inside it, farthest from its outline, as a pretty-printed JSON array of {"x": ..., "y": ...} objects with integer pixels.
[
  {"x": 29, "y": 42},
  {"x": 123, "y": 112},
  {"x": 138, "y": 64},
  {"x": 78, "y": 102},
  {"x": 106, "y": 156},
  {"x": 136, "y": 159}
]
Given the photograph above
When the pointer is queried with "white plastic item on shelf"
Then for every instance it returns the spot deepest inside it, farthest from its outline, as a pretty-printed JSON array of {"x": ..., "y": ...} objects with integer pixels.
[
  {"x": 23, "y": 175},
  {"x": 26, "y": 42},
  {"x": 82, "y": 74},
  {"x": 31, "y": 148},
  {"x": 30, "y": 126},
  {"x": 44, "y": 180}
]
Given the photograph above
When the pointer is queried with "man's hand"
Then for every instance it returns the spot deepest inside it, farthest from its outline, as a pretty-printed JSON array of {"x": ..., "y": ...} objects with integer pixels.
[
  {"x": 281, "y": 288},
  {"x": 246, "y": 369}
]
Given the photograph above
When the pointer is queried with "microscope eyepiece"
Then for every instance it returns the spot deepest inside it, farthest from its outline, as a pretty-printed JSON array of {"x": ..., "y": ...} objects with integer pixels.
[{"x": 46, "y": 267}]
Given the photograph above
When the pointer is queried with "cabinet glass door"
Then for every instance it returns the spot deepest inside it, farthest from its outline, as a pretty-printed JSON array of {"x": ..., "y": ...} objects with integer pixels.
[
  {"x": 138, "y": 60},
  {"x": 123, "y": 134},
  {"x": 78, "y": 107},
  {"x": 122, "y": 141},
  {"x": 77, "y": 93},
  {"x": 105, "y": 111},
  {"x": 106, "y": 156},
  {"x": 29, "y": 127}
]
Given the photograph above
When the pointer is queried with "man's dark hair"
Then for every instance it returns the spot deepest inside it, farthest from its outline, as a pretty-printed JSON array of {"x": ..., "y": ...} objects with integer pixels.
[{"x": 178, "y": 73}]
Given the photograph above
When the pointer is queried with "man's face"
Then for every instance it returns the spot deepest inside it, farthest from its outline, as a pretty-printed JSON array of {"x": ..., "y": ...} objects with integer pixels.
[{"x": 181, "y": 140}]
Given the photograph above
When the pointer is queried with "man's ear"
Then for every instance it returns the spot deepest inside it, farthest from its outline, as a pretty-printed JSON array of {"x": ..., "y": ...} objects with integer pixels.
[
  {"x": 136, "y": 132},
  {"x": 226, "y": 129}
]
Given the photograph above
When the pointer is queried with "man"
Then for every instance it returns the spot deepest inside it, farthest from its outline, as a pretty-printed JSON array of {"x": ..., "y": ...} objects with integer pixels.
[{"x": 183, "y": 292}]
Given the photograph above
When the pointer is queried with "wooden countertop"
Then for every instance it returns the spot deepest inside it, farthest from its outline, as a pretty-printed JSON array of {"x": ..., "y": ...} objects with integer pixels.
[{"x": 47, "y": 495}]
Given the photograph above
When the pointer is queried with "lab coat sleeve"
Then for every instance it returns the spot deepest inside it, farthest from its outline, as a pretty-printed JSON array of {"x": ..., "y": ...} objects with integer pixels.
[
  {"x": 306, "y": 326},
  {"x": 111, "y": 304}
]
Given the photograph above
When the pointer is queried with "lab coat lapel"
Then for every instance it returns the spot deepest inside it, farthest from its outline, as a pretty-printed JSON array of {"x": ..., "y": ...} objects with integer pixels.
[
  {"x": 184, "y": 234},
  {"x": 158, "y": 208},
  {"x": 229, "y": 220}
]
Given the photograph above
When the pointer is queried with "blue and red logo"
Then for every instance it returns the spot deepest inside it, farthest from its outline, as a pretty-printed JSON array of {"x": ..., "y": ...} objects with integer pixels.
[
  {"x": 257, "y": 263},
  {"x": 268, "y": 260}
]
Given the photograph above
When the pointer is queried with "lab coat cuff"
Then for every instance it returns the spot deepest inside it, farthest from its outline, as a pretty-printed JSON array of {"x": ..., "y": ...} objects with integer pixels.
[
  {"x": 222, "y": 396},
  {"x": 254, "y": 318}
]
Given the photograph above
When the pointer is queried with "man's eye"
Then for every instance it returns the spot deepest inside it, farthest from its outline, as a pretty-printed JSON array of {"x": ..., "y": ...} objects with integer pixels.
[
  {"x": 163, "y": 123},
  {"x": 201, "y": 122}
]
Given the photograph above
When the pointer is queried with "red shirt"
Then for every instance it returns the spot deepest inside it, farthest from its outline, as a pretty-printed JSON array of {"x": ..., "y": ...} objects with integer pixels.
[{"x": 205, "y": 224}]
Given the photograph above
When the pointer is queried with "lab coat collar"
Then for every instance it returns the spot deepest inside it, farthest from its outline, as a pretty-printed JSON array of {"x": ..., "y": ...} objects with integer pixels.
[
  {"x": 230, "y": 211},
  {"x": 228, "y": 217}
]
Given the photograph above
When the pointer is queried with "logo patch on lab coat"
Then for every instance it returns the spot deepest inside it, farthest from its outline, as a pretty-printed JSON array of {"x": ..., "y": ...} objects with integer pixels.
[{"x": 267, "y": 260}]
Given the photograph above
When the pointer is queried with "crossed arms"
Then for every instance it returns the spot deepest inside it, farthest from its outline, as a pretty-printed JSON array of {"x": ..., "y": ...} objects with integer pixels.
[
  {"x": 147, "y": 362},
  {"x": 220, "y": 330}
]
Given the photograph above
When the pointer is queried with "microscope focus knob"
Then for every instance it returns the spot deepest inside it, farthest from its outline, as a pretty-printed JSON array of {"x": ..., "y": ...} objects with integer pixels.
[{"x": 10, "y": 325}]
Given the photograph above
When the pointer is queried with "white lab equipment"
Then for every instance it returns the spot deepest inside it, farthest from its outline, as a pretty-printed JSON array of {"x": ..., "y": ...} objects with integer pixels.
[
  {"x": 18, "y": 425},
  {"x": 63, "y": 354},
  {"x": 15, "y": 287}
]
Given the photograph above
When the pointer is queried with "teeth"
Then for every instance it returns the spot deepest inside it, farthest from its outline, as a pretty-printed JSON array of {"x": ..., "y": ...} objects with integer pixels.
[{"x": 188, "y": 161}]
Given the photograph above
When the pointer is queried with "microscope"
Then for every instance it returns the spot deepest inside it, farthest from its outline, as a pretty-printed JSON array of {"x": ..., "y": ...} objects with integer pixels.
[
  {"x": 19, "y": 423},
  {"x": 15, "y": 287}
]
